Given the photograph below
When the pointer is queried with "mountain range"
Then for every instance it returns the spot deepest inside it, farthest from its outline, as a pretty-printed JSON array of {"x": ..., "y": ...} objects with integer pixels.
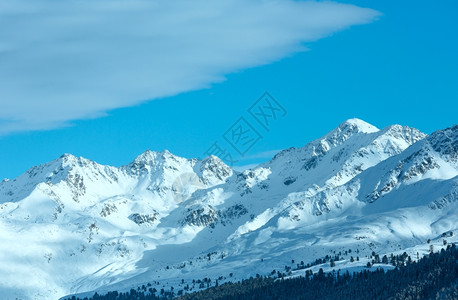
[{"x": 73, "y": 226}]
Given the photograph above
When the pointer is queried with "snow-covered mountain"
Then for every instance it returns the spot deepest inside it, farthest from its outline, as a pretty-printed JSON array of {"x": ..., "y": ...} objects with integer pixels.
[{"x": 75, "y": 226}]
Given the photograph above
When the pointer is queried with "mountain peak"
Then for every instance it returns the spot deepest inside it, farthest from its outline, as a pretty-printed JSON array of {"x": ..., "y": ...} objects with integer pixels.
[
  {"x": 332, "y": 139},
  {"x": 213, "y": 170},
  {"x": 212, "y": 158},
  {"x": 213, "y": 163},
  {"x": 68, "y": 159},
  {"x": 153, "y": 160},
  {"x": 149, "y": 156},
  {"x": 358, "y": 125},
  {"x": 67, "y": 156},
  {"x": 342, "y": 133}
]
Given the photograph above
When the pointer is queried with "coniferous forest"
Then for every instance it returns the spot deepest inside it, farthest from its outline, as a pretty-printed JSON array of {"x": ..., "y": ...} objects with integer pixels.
[{"x": 434, "y": 276}]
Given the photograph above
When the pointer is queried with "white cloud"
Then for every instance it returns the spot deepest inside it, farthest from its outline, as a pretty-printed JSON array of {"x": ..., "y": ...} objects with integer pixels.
[
  {"x": 254, "y": 160},
  {"x": 74, "y": 59}
]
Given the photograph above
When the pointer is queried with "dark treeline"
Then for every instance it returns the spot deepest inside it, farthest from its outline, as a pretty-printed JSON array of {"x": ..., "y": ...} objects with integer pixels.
[{"x": 433, "y": 277}]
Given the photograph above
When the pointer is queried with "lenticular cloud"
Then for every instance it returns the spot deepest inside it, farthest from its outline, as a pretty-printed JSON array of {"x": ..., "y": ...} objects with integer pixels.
[{"x": 67, "y": 60}]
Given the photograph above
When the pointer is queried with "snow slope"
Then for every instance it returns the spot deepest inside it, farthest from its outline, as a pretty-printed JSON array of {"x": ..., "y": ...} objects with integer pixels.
[{"x": 74, "y": 226}]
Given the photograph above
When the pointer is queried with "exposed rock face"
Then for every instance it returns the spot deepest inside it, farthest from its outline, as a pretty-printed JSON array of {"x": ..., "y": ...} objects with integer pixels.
[{"x": 140, "y": 219}]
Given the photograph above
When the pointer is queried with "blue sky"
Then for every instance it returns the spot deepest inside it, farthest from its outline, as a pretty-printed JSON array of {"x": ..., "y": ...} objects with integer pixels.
[{"x": 396, "y": 68}]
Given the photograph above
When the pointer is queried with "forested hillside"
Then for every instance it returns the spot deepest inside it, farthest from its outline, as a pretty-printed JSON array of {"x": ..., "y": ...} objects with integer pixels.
[{"x": 432, "y": 277}]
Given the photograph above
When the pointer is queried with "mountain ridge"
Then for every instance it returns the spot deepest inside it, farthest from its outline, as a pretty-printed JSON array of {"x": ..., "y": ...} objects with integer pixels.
[{"x": 166, "y": 218}]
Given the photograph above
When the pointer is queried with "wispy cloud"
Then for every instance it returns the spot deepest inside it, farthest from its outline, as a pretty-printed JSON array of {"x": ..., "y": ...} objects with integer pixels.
[
  {"x": 74, "y": 59},
  {"x": 254, "y": 160}
]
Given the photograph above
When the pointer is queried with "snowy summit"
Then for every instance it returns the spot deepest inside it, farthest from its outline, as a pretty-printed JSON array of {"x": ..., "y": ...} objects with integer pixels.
[{"x": 172, "y": 220}]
